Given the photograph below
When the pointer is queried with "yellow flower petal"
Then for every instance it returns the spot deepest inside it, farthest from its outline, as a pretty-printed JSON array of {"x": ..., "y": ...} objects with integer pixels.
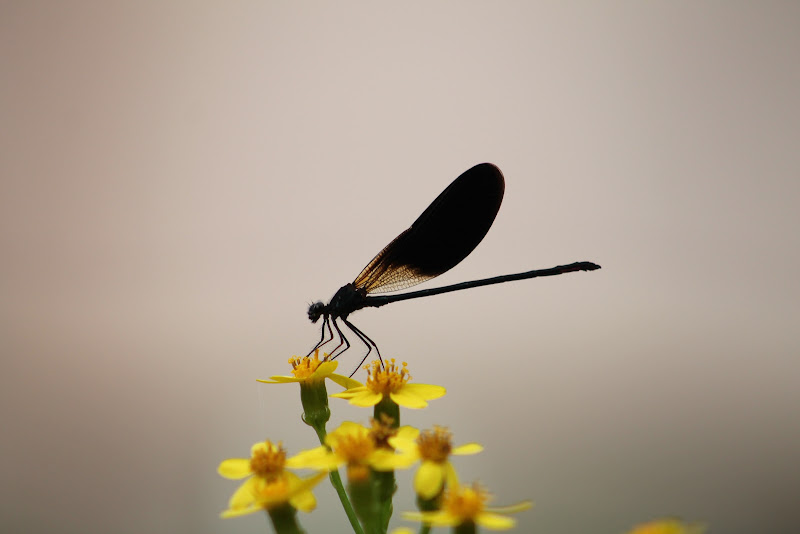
[
  {"x": 406, "y": 440},
  {"x": 407, "y": 399},
  {"x": 436, "y": 519},
  {"x": 317, "y": 458},
  {"x": 244, "y": 496},
  {"x": 348, "y": 428},
  {"x": 407, "y": 433},
  {"x": 366, "y": 400},
  {"x": 324, "y": 369},
  {"x": 384, "y": 460},
  {"x": 495, "y": 521},
  {"x": 450, "y": 475},
  {"x": 277, "y": 379},
  {"x": 512, "y": 508},
  {"x": 238, "y": 512},
  {"x": 468, "y": 448},
  {"x": 429, "y": 479},
  {"x": 426, "y": 391},
  {"x": 414, "y": 516},
  {"x": 350, "y": 392},
  {"x": 346, "y": 382},
  {"x": 235, "y": 468},
  {"x": 304, "y": 500}
]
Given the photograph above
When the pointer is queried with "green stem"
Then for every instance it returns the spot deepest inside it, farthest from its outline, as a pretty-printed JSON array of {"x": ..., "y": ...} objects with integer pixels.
[
  {"x": 321, "y": 433},
  {"x": 385, "y": 488},
  {"x": 468, "y": 527},
  {"x": 387, "y": 407},
  {"x": 284, "y": 519},
  {"x": 428, "y": 505},
  {"x": 369, "y": 509},
  {"x": 336, "y": 482}
]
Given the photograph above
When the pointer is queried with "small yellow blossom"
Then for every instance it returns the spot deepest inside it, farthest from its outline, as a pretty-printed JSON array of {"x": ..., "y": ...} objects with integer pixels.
[
  {"x": 355, "y": 446},
  {"x": 668, "y": 526},
  {"x": 464, "y": 505},
  {"x": 391, "y": 382},
  {"x": 257, "y": 494},
  {"x": 309, "y": 370},
  {"x": 268, "y": 482},
  {"x": 433, "y": 448}
]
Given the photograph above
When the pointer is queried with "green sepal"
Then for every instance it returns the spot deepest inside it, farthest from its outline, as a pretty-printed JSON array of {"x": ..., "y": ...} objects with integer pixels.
[{"x": 314, "y": 397}]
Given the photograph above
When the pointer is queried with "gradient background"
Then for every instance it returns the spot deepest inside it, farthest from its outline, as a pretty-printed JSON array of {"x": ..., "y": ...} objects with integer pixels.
[{"x": 180, "y": 180}]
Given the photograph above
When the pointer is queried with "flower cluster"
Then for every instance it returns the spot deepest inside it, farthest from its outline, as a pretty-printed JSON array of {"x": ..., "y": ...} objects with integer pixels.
[{"x": 370, "y": 455}]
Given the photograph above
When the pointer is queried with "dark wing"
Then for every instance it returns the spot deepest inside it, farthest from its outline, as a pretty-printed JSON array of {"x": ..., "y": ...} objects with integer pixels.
[{"x": 442, "y": 236}]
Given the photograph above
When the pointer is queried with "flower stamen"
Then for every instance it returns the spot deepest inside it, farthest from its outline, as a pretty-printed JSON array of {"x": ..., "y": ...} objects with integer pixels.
[
  {"x": 355, "y": 448},
  {"x": 388, "y": 379},
  {"x": 268, "y": 463},
  {"x": 435, "y": 445},
  {"x": 465, "y": 502},
  {"x": 305, "y": 367}
]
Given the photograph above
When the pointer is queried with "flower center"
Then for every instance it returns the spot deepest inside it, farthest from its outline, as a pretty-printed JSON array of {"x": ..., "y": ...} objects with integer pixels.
[
  {"x": 386, "y": 380},
  {"x": 268, "y": 462},
  {"x": 355, "y": 448},
  {"x": 304, "y": 367},
  {"x": 272, "y": 491},
  {"x": 435, "y": 445},
  {"x": 465, "y": 502}
]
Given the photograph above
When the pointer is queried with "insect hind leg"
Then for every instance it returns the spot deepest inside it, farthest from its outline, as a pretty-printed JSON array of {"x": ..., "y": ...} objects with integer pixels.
[
  {"x": 342, "y": 340},
  {"x": 366, "y": 340}
]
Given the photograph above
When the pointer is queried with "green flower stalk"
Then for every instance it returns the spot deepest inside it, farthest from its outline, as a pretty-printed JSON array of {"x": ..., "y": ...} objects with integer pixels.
[{"x": 284, "y": 519}]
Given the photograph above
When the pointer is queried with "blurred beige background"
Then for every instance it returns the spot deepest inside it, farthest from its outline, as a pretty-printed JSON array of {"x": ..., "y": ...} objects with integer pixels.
[{"x": 180, "y": 180}]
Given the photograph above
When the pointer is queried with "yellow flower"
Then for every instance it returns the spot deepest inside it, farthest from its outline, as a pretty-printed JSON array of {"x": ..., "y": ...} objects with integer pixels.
[
  {"x": 433, "y": 448},
  {"x": 310, "y": 370},
  {"x": 465, "y": 505},
  {"x": 391, "y": 382},
  {"x": 668, "y": 526},
  {"x": 258, "y": 494},
  {"x": 268, "y": 483},
  {"x": 355, "y": 446}
]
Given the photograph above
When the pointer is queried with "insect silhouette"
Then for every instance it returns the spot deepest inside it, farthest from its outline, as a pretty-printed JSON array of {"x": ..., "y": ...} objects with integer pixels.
[{"x": 446, "y": 233}]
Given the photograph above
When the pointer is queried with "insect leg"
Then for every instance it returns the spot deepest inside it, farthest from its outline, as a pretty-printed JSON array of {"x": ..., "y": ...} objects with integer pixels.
[
  {"x": 322, "y": 340},
  {"x": 366, "y": 340},
  {"x": 342, "y": 340}
]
